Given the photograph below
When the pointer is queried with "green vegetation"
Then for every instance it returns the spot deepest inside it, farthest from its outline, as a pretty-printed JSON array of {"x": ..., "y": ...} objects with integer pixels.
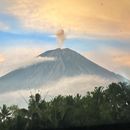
[{"x": 102, "y": 106}]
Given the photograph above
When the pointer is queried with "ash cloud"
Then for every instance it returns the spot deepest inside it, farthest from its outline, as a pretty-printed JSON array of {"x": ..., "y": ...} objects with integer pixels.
[{"x": 60, "y": 38}]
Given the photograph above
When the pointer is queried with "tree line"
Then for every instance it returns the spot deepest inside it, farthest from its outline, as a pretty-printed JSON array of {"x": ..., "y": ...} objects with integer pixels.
[{"x": 101, "y": 106}]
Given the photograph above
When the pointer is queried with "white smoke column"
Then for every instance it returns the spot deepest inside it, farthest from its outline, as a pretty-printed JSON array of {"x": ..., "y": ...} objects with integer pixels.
[{"x": 60, "y": 38}]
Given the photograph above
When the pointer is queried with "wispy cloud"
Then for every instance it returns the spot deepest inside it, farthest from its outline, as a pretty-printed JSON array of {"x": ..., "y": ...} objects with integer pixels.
[
  {"x": 115, "y": 59},
  {"x": 84, "y": 16},
  {"x": 2, "y": 58},
  {"x": 4, "y": 26},
  {"x": 17, "y": 57},
  {"x": 64, "y": 86}
]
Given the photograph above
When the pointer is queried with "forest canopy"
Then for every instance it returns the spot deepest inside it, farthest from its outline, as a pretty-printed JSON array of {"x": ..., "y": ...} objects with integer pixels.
[{"x": 101, "y": 106}]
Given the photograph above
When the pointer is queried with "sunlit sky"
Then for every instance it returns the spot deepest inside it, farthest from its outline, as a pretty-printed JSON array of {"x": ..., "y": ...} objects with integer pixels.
[{"x": 98, "y": 29}]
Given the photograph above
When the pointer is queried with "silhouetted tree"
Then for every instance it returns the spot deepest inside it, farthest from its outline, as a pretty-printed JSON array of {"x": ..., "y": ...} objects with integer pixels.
[{"x": 101, "y": 106}]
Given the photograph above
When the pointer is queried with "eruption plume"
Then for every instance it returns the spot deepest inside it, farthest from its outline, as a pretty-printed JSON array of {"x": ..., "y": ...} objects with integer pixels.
[{"x": 60, "y": 38}]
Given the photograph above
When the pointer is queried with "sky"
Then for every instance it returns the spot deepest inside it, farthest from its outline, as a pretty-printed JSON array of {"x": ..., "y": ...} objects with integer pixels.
[{"x": 98, "y": 29}]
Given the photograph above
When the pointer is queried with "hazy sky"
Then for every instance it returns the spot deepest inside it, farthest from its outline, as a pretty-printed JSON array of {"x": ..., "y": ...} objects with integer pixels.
[{"x": 98, "y": 29}]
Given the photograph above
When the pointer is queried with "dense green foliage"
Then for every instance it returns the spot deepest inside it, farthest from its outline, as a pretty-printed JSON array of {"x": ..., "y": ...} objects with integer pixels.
[{"x": 102, "y": 106}]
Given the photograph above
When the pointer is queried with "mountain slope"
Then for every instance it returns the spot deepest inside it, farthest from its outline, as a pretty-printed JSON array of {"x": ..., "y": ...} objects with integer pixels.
[{"x": 66, "y": 63}]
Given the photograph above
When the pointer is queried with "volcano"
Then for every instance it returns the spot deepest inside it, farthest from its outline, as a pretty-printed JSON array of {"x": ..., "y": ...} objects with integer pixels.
[{"x": 66, "y": 63}]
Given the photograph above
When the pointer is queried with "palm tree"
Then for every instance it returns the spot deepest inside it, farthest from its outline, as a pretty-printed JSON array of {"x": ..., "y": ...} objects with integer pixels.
[{"x": 5, "y": 113}]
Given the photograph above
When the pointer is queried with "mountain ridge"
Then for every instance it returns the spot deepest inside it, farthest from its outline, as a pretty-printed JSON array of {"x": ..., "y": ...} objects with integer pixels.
[
  {"x": 46, "y": 54},
  {"x": 66, "y": 63}
]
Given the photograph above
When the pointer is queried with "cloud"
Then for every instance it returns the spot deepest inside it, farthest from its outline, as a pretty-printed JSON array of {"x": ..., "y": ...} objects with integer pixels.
[
  {"x": 4, "y": 27},
  {"x": 73, "y": 85},
  {"x": 17, "y": 57},
  {"x": 4, "y": 5},
  {"x": 2, "y": 58},
  {"x": 64, "y": 86},
  {"x": 115, "y": 59},
  {"x": 84, "y": 16}
]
